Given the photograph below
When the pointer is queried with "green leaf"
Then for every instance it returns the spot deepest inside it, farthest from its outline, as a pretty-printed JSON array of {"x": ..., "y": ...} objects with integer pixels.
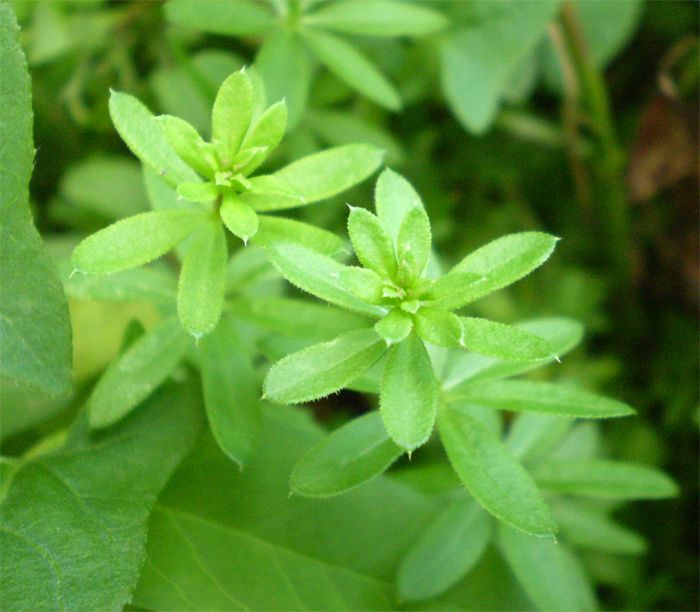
[
  {"x": 362, "y": 283},
  {"x": 199, "y": 192},
  {"x": 323, "y": 369},
  {"x": 265, "y": 135},
  {"x": 372, "y": 242},
  {"x": 279, "y": 229},
  {"x": 456, "y": 289},
  {"x": 34, "y": 324},
  {"x": 239, "y": 217},
  {"x": 478, "y": 61},
  {"x": 395, "y": 326},
  {"x": 137, "y": 373},
  {"x": 232, "y": 113},
  {"x": 532, "y": 435},
  {"x": 503, "y": 341},
  {"x": 318, "y": 275},
  {"x": 602, "y": 478},
  {"x": 145, "y": 136},
  {"x": 546, "y": 398},
  {"x": 492, "y": 475},
  {"x": 409, "y": 395},
  {"x": 449, "y": 549},
  {"x": 353, "y": 68},
  {"x": 241, "y": 18},
  {"x": 350, "y": 456},
  {"x": 200, "y": 297},
  {"x": 394, "y": 197},
  {"x": 413, "y": 245},
  {"x": 502, "y": 262},
  {"x": 135, "y": 241},
  {"x": 438, "y": 327},
  {"x": 74, "y": 522},
  {"x": 231, "y": 391},
  {"x": 377, "y": 18},
  {"x": 328, "y": 173},
  {"x": 188, "y": 144},
  {"x": 548, "y": 571}
]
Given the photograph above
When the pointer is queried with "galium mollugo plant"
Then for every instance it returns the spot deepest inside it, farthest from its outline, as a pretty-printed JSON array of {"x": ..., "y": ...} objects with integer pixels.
[{"x": 214, "y": 180}]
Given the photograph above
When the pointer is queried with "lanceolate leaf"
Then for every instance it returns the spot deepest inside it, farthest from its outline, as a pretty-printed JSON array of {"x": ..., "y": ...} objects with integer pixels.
[
  {"x": 135, "y": 241},
  {"x": 395, "y": 326},
  {"x": 413, "y": 243},
  {"x": 372, "y": 242},
  {"x": 503, "y": 341},
  {"x": 137, "y": 373},
  {"x": 187, "y": 143},
  {"x": 265, "y": 135},
  {"x": 323, "y": 369},
  {"x": 325, "y": 174},
  {"x": 278, "y": 229},
  {"x": 241, "y": 18},
  {"x": 532, "y": 435},
  {"x": 409, "y": 395},
  {"x": 454, "y": 290},
  {"x": 239, "y": 217},
  {"x": 492, "y": 475},
  {"x": 348, "y": 457},
  {"x": 394, "y": 197},
  {"x": 438, "y": 327},
  {"x": 350, "y": 66},
  {"x": 362, "y": 283},
  {"x": 232, "y": 113},
  {"x": 200, "y": 297}
]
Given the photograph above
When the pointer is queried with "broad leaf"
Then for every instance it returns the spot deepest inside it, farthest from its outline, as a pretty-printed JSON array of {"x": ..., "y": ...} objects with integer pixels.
[
  {"x": 353, "y": 68},
  {"x": 394, "y": 197},
  {"x": 328, "y": 173},
  {"x": 241, "y": 18},
  {"x": 34, "y": 324},
  {"x": 135, "y": 241},
  {"x": 409, "y": 395},
  {"x": 279, "y": 229},
  {"x": 200, "y": 297},
  {"x": 139, "y": 371},
  {"x": 74, "y": 523},
  {"x": 323, "y": 369},
  {"x": 188, "y": 144},
  {"x": 372, "y": 242},
  {"x": 492, "y": 475},
  {"x": 413, "y": 245},
  {"x": 232, "y": 113},
  {"x": 146, "y": 138},
  {"x": 446, "y": 552},
  {"x": 350, "y": 456},
  {"x": 503, "y": 341},
  {"x": 438, "y": 327},
  {"x": 238, "y": 216},
  {"x": 603, "y": 478},
  {"x": 231, "y": 391}
]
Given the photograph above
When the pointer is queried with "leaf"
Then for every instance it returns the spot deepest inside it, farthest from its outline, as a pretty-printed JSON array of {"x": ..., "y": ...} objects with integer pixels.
[
  {"x": 199, "y": 192},
  {"x": 239, "y": 217},
  {"x": 372, "y": 242},
  {"x": 413, "y": 244},
  {"x": 548, "y": 571},
  {"x": 448, "y": 550},
  {"x": 241, "y": 18},
  {"x": 377, "y": 18},
  {"x": 318, "y": 275},
  {"x": 478, "y": 61},
  {"x": 139, "y": 371},
  {"x": 34, "y": 324},
  {"x": 353, "y": 68},
  {"x": 135, "y": 241},
  {"x": 362, "y": 283},
  {"x": 231, "y": 391},
  {"x": 456, "y": 288},
  {"x": 492, "y": 475},
  {"x": 502, "y": 262},
  {"x": 232, "y": 112},
  {"x": 74, "y": 522},
  {"x": 145, "y": 136},
  {"x": 323, "y": 369},
  {"x": 603, "y": 478},
  {"x": 350, "y": 456},
  {"x": 532, "y": 435},
  {"x": 278, "y": 229},
  {"x": 188, "y": 144},
  {"x": 438, "y": 327},
  {"x": 409, "y": 394},
  {"x": 395, "y": 326},
  {"x": 200, "y": 297},
  {"x": 265, "y": 135},
  {"x": 330, "y": 172},
  {"x": 503, "y": 341},
  {"x": 394, "y": 197}
]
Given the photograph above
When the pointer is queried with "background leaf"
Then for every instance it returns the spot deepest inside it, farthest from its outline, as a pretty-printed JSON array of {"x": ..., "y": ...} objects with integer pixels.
[{"x": 241, "y": 18}]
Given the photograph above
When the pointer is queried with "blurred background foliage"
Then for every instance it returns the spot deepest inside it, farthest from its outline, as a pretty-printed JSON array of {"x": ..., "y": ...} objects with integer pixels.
[{"x": 511, "y": 119}]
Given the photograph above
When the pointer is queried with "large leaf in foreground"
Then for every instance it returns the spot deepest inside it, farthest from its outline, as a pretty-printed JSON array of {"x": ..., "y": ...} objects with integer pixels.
[
  {"x": 74, "y": 523},
  {"x": 34, "y": 324}
]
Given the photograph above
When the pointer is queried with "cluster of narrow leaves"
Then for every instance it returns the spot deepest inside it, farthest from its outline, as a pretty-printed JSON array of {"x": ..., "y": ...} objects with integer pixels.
[{"x": 213, "y": 179}]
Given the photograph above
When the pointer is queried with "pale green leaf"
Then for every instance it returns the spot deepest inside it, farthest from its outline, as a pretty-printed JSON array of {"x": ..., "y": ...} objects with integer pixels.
[
  {"x": 492, "y": 475},
  {"x": 328, "y": 173},
  {"x": 395, "y": 326},
  {"x": 145, "y": 136},
  {"x": 238, "y": 216},
  {"x": 448, "y": 550},
  {"x": 35, "y": 329},
  {"x": 372, "y": 242},
  {"x": 532, "y": 435},
  {"x": 265, "y": 135},
  {"x": 324, "y": 368},
  {"x": 503, "y": 341},
  {"x": 240, "y": 18},
  {"x": 198, "y": 192},
  {"x": 232, "y": 113},
  {"x": 456, "y": 289},
  {"x": 409, "y": 394},
  {"x": 279, "y": 229},
  {"x": 135, "y": 374},
  {"x": 394, "y": 197},
  {"x": 353, "y": 68},
  {"x": 413, "y": 245},
  {"x": 350, "y": 456},
  {"x": 364, "y": 284},
  {"x": 438, "y": 327},
  {"x": 604, "y": 478},
  {"x": 200, "y": 296},
  {"x": 135, "y": 241},
  {"x": 188, "y": 144},
  {"x": 74, "y": 522},
  {"x": 377, "y": 18}
]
